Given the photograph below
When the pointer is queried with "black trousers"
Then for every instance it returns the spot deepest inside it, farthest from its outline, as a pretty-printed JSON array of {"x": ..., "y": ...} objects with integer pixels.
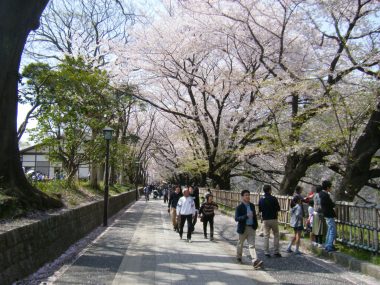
[
  {"x": 208, "y": 219},
  {"x": 195, "y": 217},
  {"x": 185, "y": 218}
]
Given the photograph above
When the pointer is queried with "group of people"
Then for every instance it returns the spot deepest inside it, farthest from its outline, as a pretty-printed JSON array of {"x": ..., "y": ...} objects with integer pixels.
[
  {"x": 158, "y": 192},
  {"x": 320, "y": 221},
  {"x": 184, "y": 207},
  {"x": 321, "y": 217}
]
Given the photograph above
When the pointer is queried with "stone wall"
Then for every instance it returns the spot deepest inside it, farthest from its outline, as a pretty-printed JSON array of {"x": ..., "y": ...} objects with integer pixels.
[{"x": 25, "y": 249}]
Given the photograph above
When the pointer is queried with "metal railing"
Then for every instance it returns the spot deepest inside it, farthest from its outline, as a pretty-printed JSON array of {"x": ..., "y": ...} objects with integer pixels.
[{"x": 358, "y": 226}]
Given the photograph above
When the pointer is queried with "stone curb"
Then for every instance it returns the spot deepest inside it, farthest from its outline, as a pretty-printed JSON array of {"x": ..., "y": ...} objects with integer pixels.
[{"x": 347, "y": 261}]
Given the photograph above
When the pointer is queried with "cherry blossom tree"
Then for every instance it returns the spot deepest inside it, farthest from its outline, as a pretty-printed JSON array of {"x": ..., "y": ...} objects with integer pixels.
[
  {"x": 194, "y": 72},
  {"x": 310, "y": 48}
]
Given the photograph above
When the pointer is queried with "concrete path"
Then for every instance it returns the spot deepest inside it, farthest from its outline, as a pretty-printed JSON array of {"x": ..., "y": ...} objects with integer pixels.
[{"x": 140, "y": 247}]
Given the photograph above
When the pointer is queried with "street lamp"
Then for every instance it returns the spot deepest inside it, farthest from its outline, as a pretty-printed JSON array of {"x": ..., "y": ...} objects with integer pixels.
[
  {"x": 107, "y": 132},
  {"x": 136, "y": 178}
]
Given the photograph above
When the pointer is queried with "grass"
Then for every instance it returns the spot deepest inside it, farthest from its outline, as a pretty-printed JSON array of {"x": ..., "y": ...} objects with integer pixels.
[
  {"x": 360, "y": 254},
  {"x": 79, "y": 192},
  {"x": 72, "y": 195},
  {"x": 351, "y": 251}
]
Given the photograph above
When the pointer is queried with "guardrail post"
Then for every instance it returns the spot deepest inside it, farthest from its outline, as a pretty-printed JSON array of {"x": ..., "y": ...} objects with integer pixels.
[{"x": 376, "y": 230}]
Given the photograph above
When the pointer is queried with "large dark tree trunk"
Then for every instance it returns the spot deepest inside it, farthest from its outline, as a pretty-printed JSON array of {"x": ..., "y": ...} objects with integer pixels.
[
  {"x": 222, "y": 182},
  {"x": 296, "y": 166},
  {"x": 17, "y": 19},
  {"x": 358, "y": 165}
]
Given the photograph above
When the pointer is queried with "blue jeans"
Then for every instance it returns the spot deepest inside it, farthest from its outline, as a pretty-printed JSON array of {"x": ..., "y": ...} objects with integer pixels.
[{"x": 331, "y": 233}]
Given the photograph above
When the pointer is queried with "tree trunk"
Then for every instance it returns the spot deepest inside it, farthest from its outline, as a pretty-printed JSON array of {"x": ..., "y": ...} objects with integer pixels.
[
  {"x": 113, "y": 175},
  {"x": 296, "y": 166},
  {"x": 94, "y": 176},
  {"x": 101, "y": 172},
  {"x": 357, "y": 171},
  {"x": 223, "y": 181},
  {"x": 17, "y": 19}
]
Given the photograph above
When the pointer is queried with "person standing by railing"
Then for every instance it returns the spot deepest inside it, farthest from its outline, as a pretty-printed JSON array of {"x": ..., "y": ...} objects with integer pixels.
[
  {"x": 327, "y": 206},
  {"x": 319, "y": 226},
  {"x": 269, "y": 208},
  {"x": 296, "y": 222}
]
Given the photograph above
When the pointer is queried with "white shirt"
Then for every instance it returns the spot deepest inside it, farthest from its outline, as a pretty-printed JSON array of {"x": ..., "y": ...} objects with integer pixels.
[{"x": 186, "y": 206}]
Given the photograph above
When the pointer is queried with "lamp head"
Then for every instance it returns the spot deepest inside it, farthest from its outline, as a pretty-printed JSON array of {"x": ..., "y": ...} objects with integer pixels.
[{"x": 107, "y": 132}]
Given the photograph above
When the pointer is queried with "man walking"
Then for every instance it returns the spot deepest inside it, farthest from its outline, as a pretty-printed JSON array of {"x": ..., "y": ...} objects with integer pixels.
[
  {"x": 245, "y": 215},
  {"x": 269, "y": 208},
  {"x": 172, "y": 206},
  {"x": 194, "y": 193},
  {"x": 327, "y": 207},
  {"x": 185, "y": 212}
]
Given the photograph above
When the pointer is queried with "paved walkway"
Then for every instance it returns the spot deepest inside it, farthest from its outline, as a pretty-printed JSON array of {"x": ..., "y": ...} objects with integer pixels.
[{"x": 140, "y": 247}]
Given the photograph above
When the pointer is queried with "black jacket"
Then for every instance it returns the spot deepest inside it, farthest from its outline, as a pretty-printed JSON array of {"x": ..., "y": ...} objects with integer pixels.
[
  {"x": 269, "y": 207},
  {"x": 173, "y": 200},
  {"x": 327, "y": 205},
  {"x": 241, "y": 217},
  {"x": 195, "y": 195}
]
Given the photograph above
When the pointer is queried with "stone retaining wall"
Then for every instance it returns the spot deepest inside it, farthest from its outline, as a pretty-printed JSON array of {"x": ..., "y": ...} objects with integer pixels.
[{"x": 25, "y": 249}]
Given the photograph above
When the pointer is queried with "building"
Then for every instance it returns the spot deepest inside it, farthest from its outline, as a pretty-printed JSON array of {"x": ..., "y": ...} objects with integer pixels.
[{"x": 36, "y": 158}]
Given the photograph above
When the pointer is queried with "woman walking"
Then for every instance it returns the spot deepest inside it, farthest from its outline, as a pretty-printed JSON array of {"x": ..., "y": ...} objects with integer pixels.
[{"x": 207, "y": 215}]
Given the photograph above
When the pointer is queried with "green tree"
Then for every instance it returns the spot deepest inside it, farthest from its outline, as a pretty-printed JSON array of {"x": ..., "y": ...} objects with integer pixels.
[{"x": 79, "y": 106}]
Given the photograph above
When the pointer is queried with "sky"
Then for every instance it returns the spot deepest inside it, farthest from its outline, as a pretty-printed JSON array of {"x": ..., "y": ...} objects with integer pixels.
[{"x": 145, "y": 6}]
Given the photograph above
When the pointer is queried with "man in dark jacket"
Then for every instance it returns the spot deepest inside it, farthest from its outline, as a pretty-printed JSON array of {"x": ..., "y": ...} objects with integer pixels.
[
  {"x": 245, "y": 215},
  {"x": 172, "y": 205},
  {"x": 327, "y": 207},
  {"x": 194, "y": 192},
  {"x": 269, "y": 208}
]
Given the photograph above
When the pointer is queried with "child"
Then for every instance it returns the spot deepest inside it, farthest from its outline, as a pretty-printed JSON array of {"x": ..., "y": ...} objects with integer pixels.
[
  {"x": 296, "y": 223},
  {"x": 207, "y": 215}
]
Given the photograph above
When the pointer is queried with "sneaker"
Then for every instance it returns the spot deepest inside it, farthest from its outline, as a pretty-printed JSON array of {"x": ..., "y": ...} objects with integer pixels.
[
  {"x": 257, "y": 264},
  {"x": 319, "y": 245},
  {"x": 205, "y": 236},
  {"x": 261, "y": 234},
  {"x": 330, "y": 249},
  {"x": 267, "y": 255},
  {"x": 297, "y": 252},
  {"x": 189, "y": 240},
  {"x": 277, "y": 254},
  {"x": 180, "y": 236},
  {"x": 289, "y": 250},
  {"x": 239, "y": 260},
  {"x": 211, "y": 238}
]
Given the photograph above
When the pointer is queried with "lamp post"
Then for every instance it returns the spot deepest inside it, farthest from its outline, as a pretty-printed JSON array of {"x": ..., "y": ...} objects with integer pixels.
[
  {"x": 136, "y": 179},
  {"x": 107, "y": 132}
]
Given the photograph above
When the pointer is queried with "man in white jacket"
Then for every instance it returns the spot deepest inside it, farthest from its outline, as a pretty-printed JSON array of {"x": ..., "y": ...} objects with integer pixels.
[{"x": 185, "y": 212}]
